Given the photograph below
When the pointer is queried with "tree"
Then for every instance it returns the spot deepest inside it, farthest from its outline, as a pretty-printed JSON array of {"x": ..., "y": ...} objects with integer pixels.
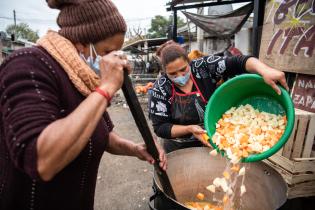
[
  {"x": 23, "y": 31},
  {"x": 160, "y": 25}
]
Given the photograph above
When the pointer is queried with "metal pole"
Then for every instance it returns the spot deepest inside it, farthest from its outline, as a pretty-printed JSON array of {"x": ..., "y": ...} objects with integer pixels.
[
  {"x": 259, "y": 9},
  {"x": 200, "y": 32},
  {"x": 174, "y": 36},
  {"x": 191, "y": 6}
]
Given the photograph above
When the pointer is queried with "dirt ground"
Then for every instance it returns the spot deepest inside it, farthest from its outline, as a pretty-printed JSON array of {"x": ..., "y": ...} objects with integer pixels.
[{"x": 123, "y": 182}]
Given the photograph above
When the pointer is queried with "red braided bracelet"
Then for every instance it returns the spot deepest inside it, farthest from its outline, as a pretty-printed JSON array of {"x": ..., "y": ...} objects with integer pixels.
[{"x": 105, "y": 94}]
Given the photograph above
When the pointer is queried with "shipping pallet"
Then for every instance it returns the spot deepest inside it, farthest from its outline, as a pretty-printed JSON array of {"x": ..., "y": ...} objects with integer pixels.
[{"x": 296, "y": 161}]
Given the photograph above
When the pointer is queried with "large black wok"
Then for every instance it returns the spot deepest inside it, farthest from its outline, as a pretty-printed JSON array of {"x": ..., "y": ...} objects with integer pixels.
[{"x": 191, "y": 170}]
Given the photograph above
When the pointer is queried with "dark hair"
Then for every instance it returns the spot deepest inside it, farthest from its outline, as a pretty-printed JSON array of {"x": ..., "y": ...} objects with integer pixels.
[
  {"x": 172, "y": 52},
  {"x": 159, "y": 50}
]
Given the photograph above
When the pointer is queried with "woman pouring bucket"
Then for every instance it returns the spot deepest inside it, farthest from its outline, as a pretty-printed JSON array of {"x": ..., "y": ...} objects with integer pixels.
[{"x": 178, "y": 98}]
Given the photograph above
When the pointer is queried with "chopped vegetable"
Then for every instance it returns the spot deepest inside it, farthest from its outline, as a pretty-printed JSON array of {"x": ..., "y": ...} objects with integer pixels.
[
  {"x": 243, "y": 189},
  {"x": 200, "y": 196},
  {"x": 213, "y": 152},
  {"x": 242, "y": 171},
  {"x": 244, "y": 131},
  {"x": 211, "y": 188}
]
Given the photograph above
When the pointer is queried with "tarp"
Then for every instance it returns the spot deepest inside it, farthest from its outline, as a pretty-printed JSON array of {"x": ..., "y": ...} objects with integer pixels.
[{"x": 222, "y": 26}]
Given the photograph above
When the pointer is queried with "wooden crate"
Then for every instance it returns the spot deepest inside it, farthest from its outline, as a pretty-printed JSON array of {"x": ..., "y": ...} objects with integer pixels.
[
  {"x": 296, "y": 160},
  {"x": 299, "y": 174},
  {"x": 301, "y": 141}
]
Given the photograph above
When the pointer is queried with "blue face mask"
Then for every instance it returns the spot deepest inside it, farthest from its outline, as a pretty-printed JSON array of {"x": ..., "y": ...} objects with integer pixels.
[
  {"x": 93, "y": 63},
  {"x": 182, "y": 80}
]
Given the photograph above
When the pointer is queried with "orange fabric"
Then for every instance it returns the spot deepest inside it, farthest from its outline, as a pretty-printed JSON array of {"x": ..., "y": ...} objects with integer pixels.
[
  {"x": 65, "y": 53},
  {"x": 195, "y": 54}
]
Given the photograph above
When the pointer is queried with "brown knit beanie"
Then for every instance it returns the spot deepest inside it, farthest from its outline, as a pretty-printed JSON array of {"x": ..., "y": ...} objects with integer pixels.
[{"x": 88, "y": 21}]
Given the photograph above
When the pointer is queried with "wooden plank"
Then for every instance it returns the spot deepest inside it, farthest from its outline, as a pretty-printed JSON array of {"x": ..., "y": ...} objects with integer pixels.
[
  {"x": 287, "y": 149},
  {"x": 292, "y": 178},
  {"x": 309, "y": 141},
  {"x": 299, "y": 178},
  {"x": 300, "y": 136},
  {"x": 303, "y": 166},
  {"x": 280, "y": 151},
  {"x": 301, "y": 159},
  {"x": 305, "y": 189},
  {"x": 293, "y": 166},
  {"x": 302, "y": 112},
  {"x": 283, "y": 162}
]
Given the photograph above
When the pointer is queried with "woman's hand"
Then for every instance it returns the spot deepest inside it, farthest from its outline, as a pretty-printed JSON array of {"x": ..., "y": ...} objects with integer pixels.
[
  {"x": 142, "y": 153},
  {"x": 120, "y": 146},
  {"x": 198, "y": 133},
  {"x": 270, "y": 75},
  {"x": 112, "y": 68}
]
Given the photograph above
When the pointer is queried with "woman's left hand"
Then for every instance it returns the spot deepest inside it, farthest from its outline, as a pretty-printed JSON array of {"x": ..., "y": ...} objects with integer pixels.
[
  {"x": 142, "y": 153},
  {"x": 272, "y": 76}
]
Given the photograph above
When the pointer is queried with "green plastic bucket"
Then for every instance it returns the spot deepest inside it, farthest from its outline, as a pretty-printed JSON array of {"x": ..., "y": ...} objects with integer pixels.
[{"x": 249, "y": 89}]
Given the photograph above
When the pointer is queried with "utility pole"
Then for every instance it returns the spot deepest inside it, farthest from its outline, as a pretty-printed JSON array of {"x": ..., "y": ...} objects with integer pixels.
[
  {"x": 14, "y": 15},
  {"x": 14, "y": 34}
]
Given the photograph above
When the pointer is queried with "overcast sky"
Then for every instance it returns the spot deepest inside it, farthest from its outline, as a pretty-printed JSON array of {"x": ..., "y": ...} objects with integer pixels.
[{"x": 40, "y": 17}]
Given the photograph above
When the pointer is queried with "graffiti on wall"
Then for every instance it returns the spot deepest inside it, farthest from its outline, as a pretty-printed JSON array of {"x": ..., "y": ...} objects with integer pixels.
[
  {"x": 303, "y": 93},
  {"x": 296, "y": 27},
  {"x": 289, "y": 33}
]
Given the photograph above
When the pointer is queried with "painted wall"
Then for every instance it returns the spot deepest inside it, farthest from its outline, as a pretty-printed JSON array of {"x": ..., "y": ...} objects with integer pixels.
[{"x": 243, "y": 41}]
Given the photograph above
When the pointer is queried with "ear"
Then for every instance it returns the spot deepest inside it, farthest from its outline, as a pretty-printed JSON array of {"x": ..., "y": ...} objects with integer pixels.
[
  {"x": 80, "y": 47},
  {"x": 83, "y": 48}
]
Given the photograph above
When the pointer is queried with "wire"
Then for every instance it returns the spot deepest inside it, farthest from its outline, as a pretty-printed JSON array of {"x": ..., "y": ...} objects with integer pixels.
[
  {"x": 54, "y": 20},
  {"x": 28, "y": 19}
]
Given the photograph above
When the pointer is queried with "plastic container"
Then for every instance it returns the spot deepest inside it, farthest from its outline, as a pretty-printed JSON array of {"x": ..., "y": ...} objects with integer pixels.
[{"x": 249, "y": 89}]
